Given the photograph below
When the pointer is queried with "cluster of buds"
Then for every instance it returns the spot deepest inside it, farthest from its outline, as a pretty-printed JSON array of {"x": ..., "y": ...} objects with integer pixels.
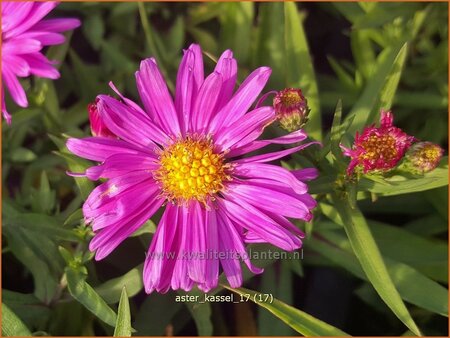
[
  {"x": 291, "y": 108},
  {"x": 381, "y": 149}
]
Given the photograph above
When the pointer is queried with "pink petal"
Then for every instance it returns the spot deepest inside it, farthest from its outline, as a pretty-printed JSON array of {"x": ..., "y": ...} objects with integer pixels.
[
  {"x": 109, "y": 238},
  {"x": 57, "y": 25},
  {"x": 275, "y": 155},
  {"x": 100, "y": 148},
  {"x": 158, "y": 268},
  {"x": 252, "y": 219},
  {"x": 41, "y": 66},
  {"x": 5, "y": 113},
  {"x": 119, "y": 164},
  {"x": 269, "y": 199},
  {"x": 188, "y": 84},
  {"x": 17, "y": 64},
  {"x": 14, "y": 87},
  {"x": 296, "y": 136},
  {"x": 246, "y": 129},
  {"x": 45, "y": 38},
  {"x": 39, "y": 10},
  {"x": 242, "y": 100},
  {"x": 270, "y": 172},
  {"x": 129, "y": 124},
  {"x": 197, "y": 244},
  {"x": 156, "y": 97},
  {"x": 13, "y": 14},
  {"x": 205, "y": 104},
  {"x": 306, "y": 174},
  {"x": 21, "y": 45},
  {"x": 227, "y": 67}
]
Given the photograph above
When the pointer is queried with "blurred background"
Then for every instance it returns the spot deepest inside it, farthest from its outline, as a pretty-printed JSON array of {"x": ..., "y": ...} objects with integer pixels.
[{"x": 347, "y": 43}]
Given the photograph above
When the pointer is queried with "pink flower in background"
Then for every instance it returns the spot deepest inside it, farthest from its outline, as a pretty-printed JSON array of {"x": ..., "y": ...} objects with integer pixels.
[
  {"x": 378, "y": 148},
  {"x": 24, "y": 34},
  {"x": 186, "y": 155}
]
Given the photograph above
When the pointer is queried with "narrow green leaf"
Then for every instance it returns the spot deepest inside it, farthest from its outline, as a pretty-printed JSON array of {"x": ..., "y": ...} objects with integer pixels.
[
  {"x": 85, "y": 294},
  {"x": 391, "y": 83},
  {"x": 11, "y": 324},
  {"x": 39, "y": 254},
  {"x": 153, "y": 46},
  {"x": 413, "y": 286},
  {"x": 123, "y": 324},
  {"x": 201, "y": 313},
  {"x": 364, "y": 111},
  {"x": 368, "y": 254},
  {"x": 269, "y": 45},
  {"x": 111, "y": 290},
  {"x": 276, "y": 280},
  {"x": 236, "y": 27},
  {"x": 299, "y": 67},
  {"x": 300, "y": 321},
  {"x": 29, "y": 309},
  {"x": 398, "y": 185}
]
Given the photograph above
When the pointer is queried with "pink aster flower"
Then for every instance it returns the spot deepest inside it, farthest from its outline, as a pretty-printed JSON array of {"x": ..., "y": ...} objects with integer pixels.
[
  {"x": 24, "y": 34},
  {"x": 378, "y": 148},
  {"x": 186, "y": 156}
]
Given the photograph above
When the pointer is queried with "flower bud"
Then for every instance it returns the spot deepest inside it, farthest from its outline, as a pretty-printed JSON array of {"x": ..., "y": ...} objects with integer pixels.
[
  {"x": 98, "y": 127},
  {"x": 291, "y": 108},
  {"x": 423, "y": 157}
]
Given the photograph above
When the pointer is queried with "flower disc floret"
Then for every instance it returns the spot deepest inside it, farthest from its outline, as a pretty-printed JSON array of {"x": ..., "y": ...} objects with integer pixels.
[{"x": 190, "y": 169}]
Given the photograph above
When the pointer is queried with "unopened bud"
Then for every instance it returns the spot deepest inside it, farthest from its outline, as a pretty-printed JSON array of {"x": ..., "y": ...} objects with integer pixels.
[{"x": 291, "y": 108}]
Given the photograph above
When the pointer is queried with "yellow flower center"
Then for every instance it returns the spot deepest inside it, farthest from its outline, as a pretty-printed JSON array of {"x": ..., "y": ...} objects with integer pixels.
[
  {"x": 379, "y": 147},
  {"x": 290, "y": 98},
  {"x": 430, "y": 153},
  {"x": 190, "y": 169}
]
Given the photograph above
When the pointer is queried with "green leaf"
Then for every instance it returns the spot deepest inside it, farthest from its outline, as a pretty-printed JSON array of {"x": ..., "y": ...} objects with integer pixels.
[
  {"x": 86, "y": 295},
  {"x": 413, "y": 286},
  {"x": 201, "y": 313},
  {"x": 27, "y": 307},
  {"x": 22, "y": 155},
  {"x": 11, "y": 324},
  {"x": 123, "y": 324},
  {"x": 39, "y": 254},
  {"x": 236, "y": 20},
  {"x": 269, "y": 45},
  {"x": 391, "y": 83},
  {"x": 300, "y": 321},
  {"x": 368, "y": 254},
  {"x": 364, "y": 111},
  {"x": 111, "y": 290},
  {"x": 276, "y": 280},
  {"x": 299, "y": 67},
  {"x": 94, "y": 29},
  {"x": 398, "y": 185}
]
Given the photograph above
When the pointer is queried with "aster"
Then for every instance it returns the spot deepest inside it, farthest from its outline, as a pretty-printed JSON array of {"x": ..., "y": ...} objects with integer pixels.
[
  {"x": 186, "y": 156},
  {"x": 378, "y": 149},
  {"x": 24, "y": 35}
]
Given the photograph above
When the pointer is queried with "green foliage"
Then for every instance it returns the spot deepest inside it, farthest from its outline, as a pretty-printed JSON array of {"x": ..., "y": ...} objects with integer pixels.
[{"x": 387, "y": 233}]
